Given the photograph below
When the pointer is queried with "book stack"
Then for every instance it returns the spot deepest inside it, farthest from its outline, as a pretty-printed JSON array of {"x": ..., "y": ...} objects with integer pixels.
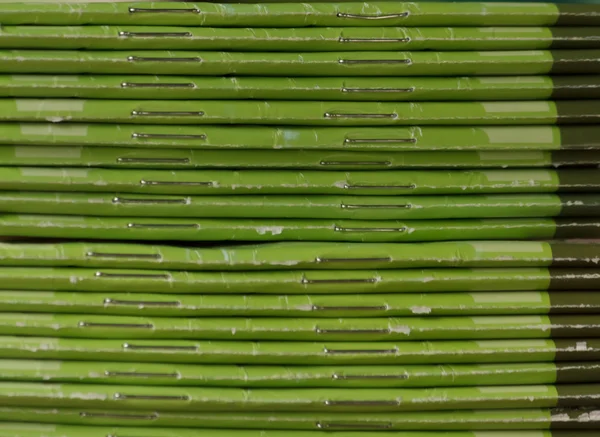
[{"x": 299, "y": 219}]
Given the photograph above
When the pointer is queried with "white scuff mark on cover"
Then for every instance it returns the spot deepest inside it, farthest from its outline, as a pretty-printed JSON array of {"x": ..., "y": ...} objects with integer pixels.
[
  {"x": 91, "y": 396},
  {"x": 401, "y": 329},
  {"x": 283, "y": 263},
  {"x": 420, "y": 310},
  {"x": 57, "y": 119},
  {"x": 273, "y": 230}
]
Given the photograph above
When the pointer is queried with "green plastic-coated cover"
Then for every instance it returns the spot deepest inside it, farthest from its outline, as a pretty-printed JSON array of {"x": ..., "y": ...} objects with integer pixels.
[
  {"x": 302, "y": 88},
  {"x": 315, "y": 305},
  {"x": 293, "y": 400},
  {"x": 296, "y": 14},
  {"x": 353, "y": 183},
  {"x": 303, "y": 113},
  {"x": 301, "y": 353},
  {"x": 388, "y": 139},
  {"x": 142, "y": 229},
  {"x": 116, "y": 157},
  {"x": 297, "y": 281},
  {"x": 115, "y": 373},
  {"x": 313, "y": 64},
  {"x": 306, "y": 256},
  {"x": 508, "y": 421},
  {"x": 9, "y": 429},
  {"x": 305, "y": 207},
  {"x": 315, "y": 39},
  {"x": 301, "y": 329}
]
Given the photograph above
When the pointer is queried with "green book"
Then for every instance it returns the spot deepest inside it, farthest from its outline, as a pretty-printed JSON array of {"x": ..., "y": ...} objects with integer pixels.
[
  {"x": 140, "y": 158},
  {"x": 302, "y": 256},
  {"x": 296, "y": 14},
  {"x": 310, "y": 64},
  {"x": 282, "y": 377},
  {"x": 301, "y": 353},
  {"x": 262, "y": 230},
  {"x": 230, "y": 399},
  {"x": 466, "y": 88},
  {"x": 300, "y": 329},
  {"x": 34, "y": 429},
  {"x": 326, "y": 306},
  {"x": 307, "y": 39},
  {"x": 145, "y": 137},
  {"x": 559, "y": 422},
  {"x": 301, "y": 113},
  {"x": 299, "y": 281},
  {"x": 293, "y": 182},
  {"x": 304, "y": 207}
]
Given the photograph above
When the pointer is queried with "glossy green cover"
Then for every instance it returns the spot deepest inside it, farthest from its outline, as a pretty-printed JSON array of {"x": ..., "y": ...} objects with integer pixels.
[
  {"x": 298, "y": 281},
  {"x": 486, "y": 420},
  {"x": 174, "y": 375},
  {"x": 328, "y": 64},
  {"x": 306, "y": 256},
  {"x": 9, "y": 429},
  {"x": 294, "y": 113},
  {"x": 420, "y": 138},
  {"x": 355, "y": 183},
  {"x": 302, "y": 88},
  {"x": 301, "y": 353},
  {"x": 302, "y": 305},
  {"x": 304, "y": 207},
  {"x": 295, "y": 400},
  {"x": 300, "y": 329},
  {"x": 299, "y": 14},
  {"x": 66, "y": 156},
  {"x": 142, "y": 229},
  {"x": 315, "y": 39}
]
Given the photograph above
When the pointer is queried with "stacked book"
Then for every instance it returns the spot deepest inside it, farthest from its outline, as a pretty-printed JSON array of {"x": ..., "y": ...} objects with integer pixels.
[{"x": 269, "y": 220}]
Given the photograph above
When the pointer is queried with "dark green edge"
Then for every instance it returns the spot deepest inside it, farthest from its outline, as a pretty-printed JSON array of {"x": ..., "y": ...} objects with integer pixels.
[
  {"x": 576, "y": 37},
  {"x": 574, "y": 302},
  {"x": 575, "y": 61},
  {"x": 574, "y": 373},
  {"x": 579, "y": 349},
  {"x": 574, "y": 279},
  {"x": 582, "y": 137},
  {"x": 577, "y": 111},
  {"x": 579, "y": 205},
  {"x": 577, "y": 14},
  {"x": 575, "y": 254},
  {"x": 566, "y": 228},
  {"x": 575, "y": 87},
  {"x": 575, "y": 158},
  {"x": 575, "y": 325},
  {"x": 575, "y": 433},
  {"x": 578, "y": 395}
]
